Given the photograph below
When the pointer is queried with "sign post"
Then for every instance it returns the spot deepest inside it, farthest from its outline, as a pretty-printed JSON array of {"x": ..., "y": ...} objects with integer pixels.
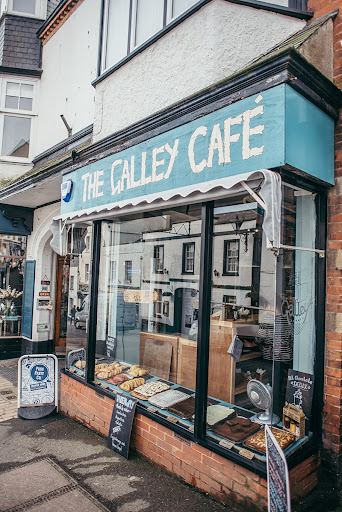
[
  {"x": 278, "y": 484},
  {"x": 121, "y": 424},
  {"x": 37, "y": 386}
]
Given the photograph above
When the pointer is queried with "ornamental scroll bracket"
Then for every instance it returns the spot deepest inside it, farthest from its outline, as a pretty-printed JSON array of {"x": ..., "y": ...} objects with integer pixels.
[{"x": 15, "y": 213}]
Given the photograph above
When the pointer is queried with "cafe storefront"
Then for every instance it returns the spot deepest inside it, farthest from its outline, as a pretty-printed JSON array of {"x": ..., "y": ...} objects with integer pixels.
[{"x": 206, "y": 288}]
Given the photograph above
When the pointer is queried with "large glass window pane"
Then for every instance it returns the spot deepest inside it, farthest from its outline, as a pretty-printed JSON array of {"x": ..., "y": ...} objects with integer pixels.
[
  {"x": 117, "y": 31},
  {"x": 263, "y": 313},
  {"x": 179, "y": 6},
  {"x": 149, "y": 19},
  {"x": 16, "y": 136},
  {"x": 28, "y": 6},
  {"x": 12, "y": 267},
  {"x": 148, "y": 310},
  {"x": 76, "y": 298}
]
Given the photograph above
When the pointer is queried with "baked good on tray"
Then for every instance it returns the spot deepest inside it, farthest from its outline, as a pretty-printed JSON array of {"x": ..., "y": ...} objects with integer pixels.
[
  {"x": 118, "y": 379},
  {"x": 129, "y": 385},
  {"x": 237, "y": 429},
  {"x": 184, "y": 409},
  {"x": 258, "y": 441},
  {"x": 137, "y": 371},
  {"x": 151, "y": 388},
  {"x": 218, "y": 413}
]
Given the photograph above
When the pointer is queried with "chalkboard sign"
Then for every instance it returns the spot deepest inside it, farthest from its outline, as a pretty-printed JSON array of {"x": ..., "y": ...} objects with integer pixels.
[
  {"x": 278, "y": 484},
  {"x": 121, "y": 424},
  {"x": 27, "y": 312},
  {"x": 299, "y": 392},
  {"x": 111, "y": 344}
]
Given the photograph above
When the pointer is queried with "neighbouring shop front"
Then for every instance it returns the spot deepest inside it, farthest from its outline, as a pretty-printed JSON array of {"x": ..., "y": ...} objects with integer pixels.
[
  {"x": 15, "y": 226},
  {"x": 197, "y": 279}
]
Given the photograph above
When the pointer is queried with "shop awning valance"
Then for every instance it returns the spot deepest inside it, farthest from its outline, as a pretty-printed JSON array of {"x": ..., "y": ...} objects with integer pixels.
[{"x": 264, "y": 185}]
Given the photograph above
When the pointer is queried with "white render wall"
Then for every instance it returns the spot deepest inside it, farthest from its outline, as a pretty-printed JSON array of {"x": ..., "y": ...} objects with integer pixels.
[
  {"x": 69, "y": 66},
  {"x": 209, "y": 46}
]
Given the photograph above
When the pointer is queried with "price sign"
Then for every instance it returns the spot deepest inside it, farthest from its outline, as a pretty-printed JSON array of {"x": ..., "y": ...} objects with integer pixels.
[
  {"x": 121, "y": 424},
  {"x": 278, "y": 484}
]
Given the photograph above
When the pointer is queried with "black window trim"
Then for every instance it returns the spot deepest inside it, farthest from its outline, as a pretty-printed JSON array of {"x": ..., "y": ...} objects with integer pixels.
[
  {"x": 184, "y": 271},
  {"x": 155, "y": 266},
  {"x": 225, "y": 259}
]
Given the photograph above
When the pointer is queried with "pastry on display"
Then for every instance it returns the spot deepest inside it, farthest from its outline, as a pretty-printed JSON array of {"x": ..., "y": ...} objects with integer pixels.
[
  {"x": 151, "y": 388},
  {"x": 118, "y": 379},
  {"x": 101, "y": 366},
  {"x": 129, "y": 385},
  {"x": 80, "y": 364},
  {"x": 136, "y": 371},
  {"x": 218, "y": 413},
  {"x": 167, "y": 398},
  {"x": 237, "y": 429},
  {"x": 258, "y": 442}
]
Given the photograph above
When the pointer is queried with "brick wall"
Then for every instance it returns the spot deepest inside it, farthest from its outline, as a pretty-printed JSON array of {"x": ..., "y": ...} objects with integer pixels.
[
  {"x": 211, "y": 473},
  {"x": 19, "y": 44},
  {"x": 332, "y": 421}
]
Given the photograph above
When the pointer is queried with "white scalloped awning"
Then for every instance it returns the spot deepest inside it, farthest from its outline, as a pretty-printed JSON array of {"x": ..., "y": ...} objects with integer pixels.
[{"x": 268, "y": 196}]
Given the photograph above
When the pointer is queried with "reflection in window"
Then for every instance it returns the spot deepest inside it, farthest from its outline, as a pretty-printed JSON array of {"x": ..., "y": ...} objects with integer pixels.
[
  {"x": 150, "y": 322},
  {"x": 231, "y": 257},
  {"x": 128, "y": 271},
  {"x": 159, "y": 259},
  {"x": 16, "y": 136},
  {"x": 188, "y": 258},
  {"x": 149, "y": 19},
  {"x": 12, "y": 267},
  {"x": 75, "y": 290}
]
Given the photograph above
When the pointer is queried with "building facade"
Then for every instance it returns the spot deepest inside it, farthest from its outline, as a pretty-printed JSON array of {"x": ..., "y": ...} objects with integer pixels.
[{"x": 193, "y": 226}]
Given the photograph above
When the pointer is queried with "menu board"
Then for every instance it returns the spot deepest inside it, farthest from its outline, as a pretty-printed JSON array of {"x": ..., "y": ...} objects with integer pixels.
[
  {"x": 278, "y": 484},
  {"x": 121, "y": 424},
  {"x": 299, "y": 391}
]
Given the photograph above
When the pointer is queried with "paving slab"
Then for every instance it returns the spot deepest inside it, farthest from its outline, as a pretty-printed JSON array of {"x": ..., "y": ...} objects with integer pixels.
[
  {"x": 30, "y": 481},
  {"x": 73, "y": 501}
]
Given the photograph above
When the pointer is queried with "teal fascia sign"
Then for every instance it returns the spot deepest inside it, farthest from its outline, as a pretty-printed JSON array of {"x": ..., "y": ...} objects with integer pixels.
[{"x": 264, "y": 131}]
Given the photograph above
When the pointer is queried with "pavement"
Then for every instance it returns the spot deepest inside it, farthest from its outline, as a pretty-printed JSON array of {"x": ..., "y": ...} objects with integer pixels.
[{"x": 56, "y": 463}]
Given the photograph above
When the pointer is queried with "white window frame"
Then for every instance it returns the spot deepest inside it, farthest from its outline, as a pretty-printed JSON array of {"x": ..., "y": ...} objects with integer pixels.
[
  {"x": 131, "y": 33},
  {"x": 18, "y": 113},
  {"x": 40, "y": 12}
]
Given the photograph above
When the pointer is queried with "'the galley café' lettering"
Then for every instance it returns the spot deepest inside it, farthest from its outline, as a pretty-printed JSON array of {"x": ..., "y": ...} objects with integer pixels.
[{"x": 132, "y": 172}]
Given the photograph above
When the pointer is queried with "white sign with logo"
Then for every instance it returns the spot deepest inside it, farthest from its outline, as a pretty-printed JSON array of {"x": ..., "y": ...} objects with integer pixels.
[{"x": 38, "y": 379}]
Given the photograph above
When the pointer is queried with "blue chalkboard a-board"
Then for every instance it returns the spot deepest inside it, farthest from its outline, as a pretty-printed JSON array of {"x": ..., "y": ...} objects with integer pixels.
[{"x": 27, "y": 312}]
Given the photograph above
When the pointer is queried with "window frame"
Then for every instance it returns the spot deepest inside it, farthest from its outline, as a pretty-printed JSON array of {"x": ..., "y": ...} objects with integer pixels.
[
  {"x": 18, "y": 113},
  {"x": 128, "y": 276},
  {"x": 155, "y": 259},
  {"x": 226, "y": 272},
  {"x": 184, "y": 271},
  {"x": 40, "y": 9}
]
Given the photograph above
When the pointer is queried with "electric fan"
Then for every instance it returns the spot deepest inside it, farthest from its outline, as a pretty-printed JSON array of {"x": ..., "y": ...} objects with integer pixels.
[{"x": 261, "y": 396}]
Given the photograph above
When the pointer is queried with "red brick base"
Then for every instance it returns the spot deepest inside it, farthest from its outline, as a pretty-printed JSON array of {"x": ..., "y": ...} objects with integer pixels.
[{"x": 211, "y": 473}]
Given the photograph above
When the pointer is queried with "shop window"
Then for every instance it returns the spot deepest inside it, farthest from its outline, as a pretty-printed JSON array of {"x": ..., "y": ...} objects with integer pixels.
[
  {"x": 159, "y": 259},
  {"x": 128, "y": 271},
  {"x": 153, "y": 323},
  {"x": 188, "y": 260},
  {"x": 127, "y": 25},
  {"x": 72, "y": 321},
  {"x": 261, "y": 319},
  {"x": 231, "y": 257},
  {"x": 16, "y": 118},
  {"x": 12, "y": 269}
]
